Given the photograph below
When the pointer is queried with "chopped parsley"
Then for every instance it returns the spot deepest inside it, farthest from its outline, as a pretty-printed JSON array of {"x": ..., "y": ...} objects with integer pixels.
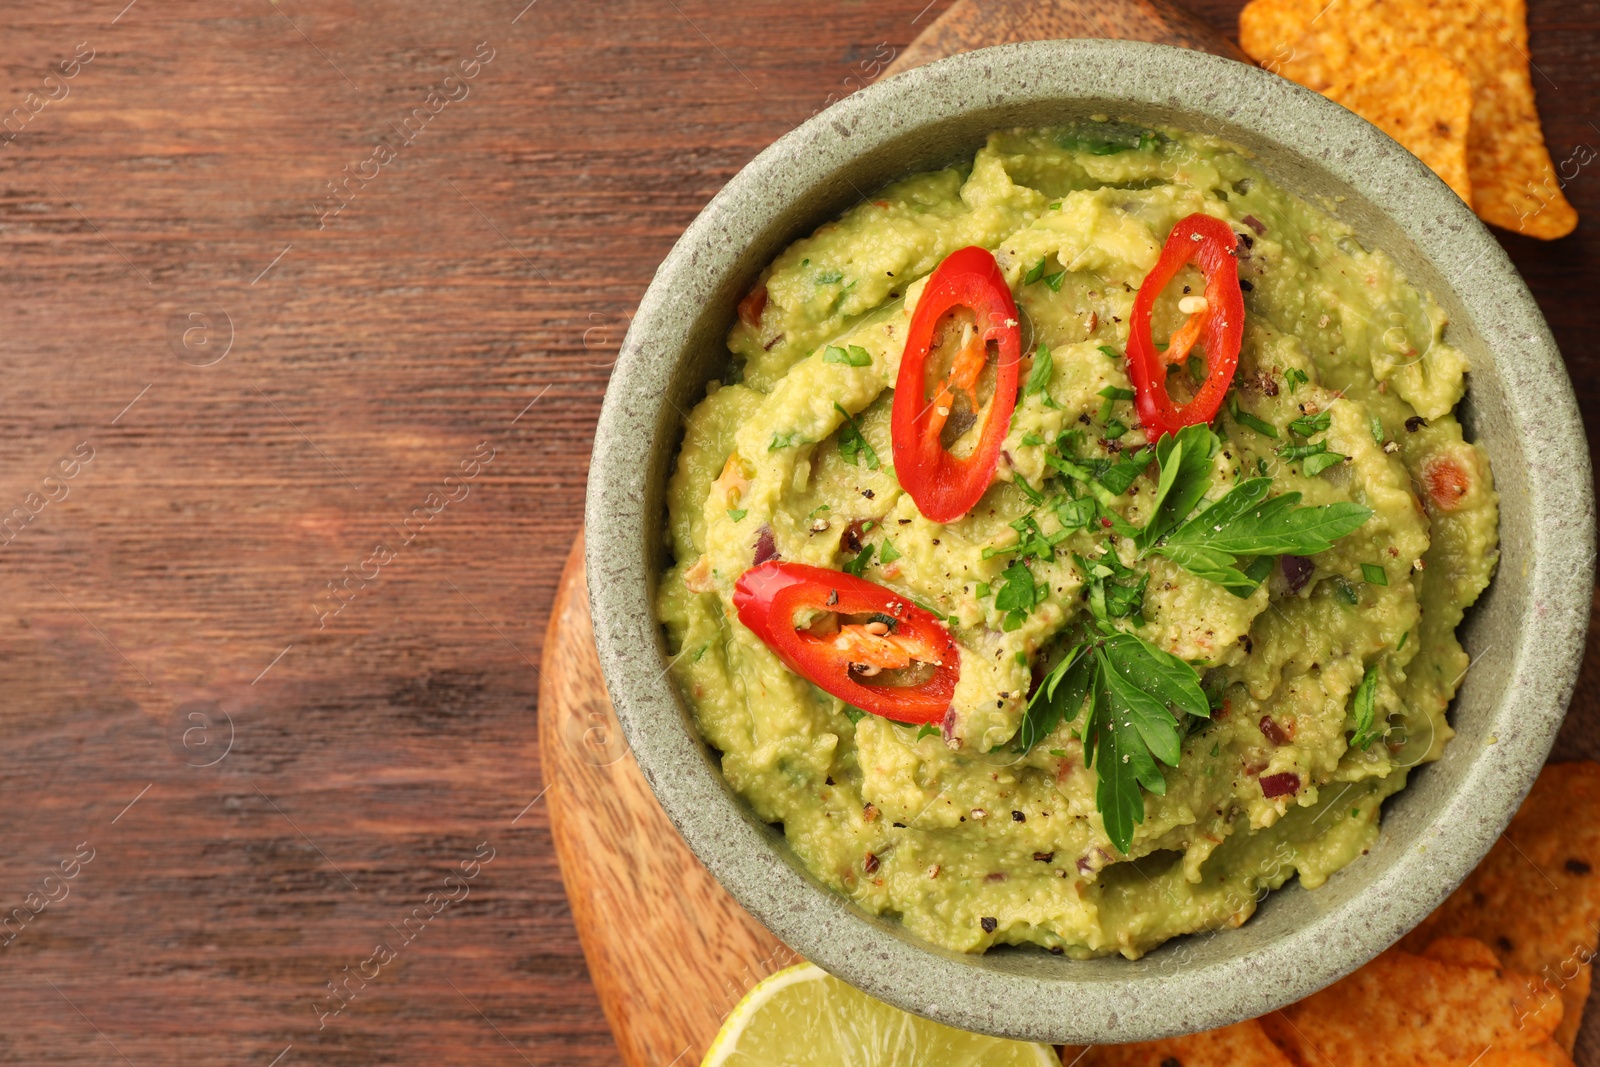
[
  {"x": 1315, "y": 457},
  {"x": 1296, "y": 378},
  {"x": 1309, "y": 425},
  {"x": 1374, "y": 574},
  {"x": 1054, "y": 280},
  {"x": 1249, "y": 421},
  {"x": 737, "y": 513},
  {"x": 1112, "y": 393},
  {"x": 859, "y": 565},
  {"x": 785, "y": 440},
  {"x": 1106, "y": 138},
  {"x": 853, "y": 444},
  {"x": 1035, "y": 272},
  {"x": 1110, "y": 352},
  {"x": 1364, "y": 708},
  {"x": 853, "y": 356},
  {"x": 928, "y": 730},
  {"x": 1377, "y": 430},
  {"x": 1109, "y": 598},
  {"x": 1043, "y": 368},
  {"x": 1076, "y": 514},
  {"x": 888, "y": 553},
  {"x": 1018, "y": 595}
]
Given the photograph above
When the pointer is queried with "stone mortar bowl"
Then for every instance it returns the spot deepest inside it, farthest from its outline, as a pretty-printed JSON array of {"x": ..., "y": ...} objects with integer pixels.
[{"x": 1526, "y": 635}]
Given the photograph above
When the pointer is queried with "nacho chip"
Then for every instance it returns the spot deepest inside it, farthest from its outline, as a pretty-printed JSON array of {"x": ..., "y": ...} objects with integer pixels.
[
  {"x": 1536, "y": 898},
  {"x": 1241, "y": 1045},
  {"x": 1463, "y": 952},
  {"x": 1548, "y": 1054},
  {"x": 1402, "y": 1009},
  {"x": 1422, "y": 100},
  {"x": 1317, "y": 44}
]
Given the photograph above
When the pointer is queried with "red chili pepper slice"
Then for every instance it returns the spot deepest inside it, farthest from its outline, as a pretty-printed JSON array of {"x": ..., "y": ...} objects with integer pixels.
[
  {"x": 1210, "y": 243},
  {"x": 867, "y": 645},
  {"x": 944, "y": 487}
]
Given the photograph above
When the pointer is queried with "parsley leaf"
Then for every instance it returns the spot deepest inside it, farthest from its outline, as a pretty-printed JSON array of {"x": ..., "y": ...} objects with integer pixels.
[
  {"x": 1059, "y": 697},
  {"x": 853, "y": 444},
  {"x": 1374, "y": 574},
  {"x": 1019, "y": 593},
  {"x": 854, "y": 356},
  {"x": 1185, "y": 466},
  {"x": 1302, "y": 451},
  {"x": 1136, "y": 693},
  {"x": 1315, "y": 465},
  {"x": 737, "y": 513},
  {"x": 1124, "y": 472},
  {"x": 888, "y": 553},
  {"x": 1043, "y": 367},
  {"x": 1113, "y": 393},
  {"x": 1054, "y": 280},
  {"x": 859, "y": 564},
  {"x": 1377, "y": 430},
  {"x": 1307, "y": 425},
  {"x": 1076, "y": 514},
  {"x": 784, "y": 440},
  {"x": 1244, "y": 523},
  {"x": 1244, "y": 418},
  {"x": 1110, "y": 599},
  {"x": 1296, "y": 378},
  {"x": 1110, "y": 352},
  {"x": 1365, "y": 708},
  {"x": 928, "y": 730},
  {"x": 1035, "y": 272}
]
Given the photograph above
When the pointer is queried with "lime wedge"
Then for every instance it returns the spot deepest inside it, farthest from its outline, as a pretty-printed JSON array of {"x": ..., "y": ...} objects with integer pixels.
[{"x": 804, "y": 1017}]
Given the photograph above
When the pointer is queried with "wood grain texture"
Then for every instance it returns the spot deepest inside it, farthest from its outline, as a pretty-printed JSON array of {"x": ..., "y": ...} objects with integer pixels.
[
  {"x": 496, "y": 260},
  {"x": 669, "y": 951},
  {"x": 968, "y": 25}
]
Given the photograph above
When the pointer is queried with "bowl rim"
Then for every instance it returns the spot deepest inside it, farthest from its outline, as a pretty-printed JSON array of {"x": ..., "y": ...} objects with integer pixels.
[{"x": 868, "y": 952}]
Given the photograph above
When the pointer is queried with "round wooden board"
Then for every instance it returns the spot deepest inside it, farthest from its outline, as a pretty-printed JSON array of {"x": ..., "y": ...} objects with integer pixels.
[{"x": 669, "y": 951}]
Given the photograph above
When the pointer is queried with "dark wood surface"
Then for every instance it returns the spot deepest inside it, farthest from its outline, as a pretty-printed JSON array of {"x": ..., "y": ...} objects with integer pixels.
[{"x": 170, "y": 601}]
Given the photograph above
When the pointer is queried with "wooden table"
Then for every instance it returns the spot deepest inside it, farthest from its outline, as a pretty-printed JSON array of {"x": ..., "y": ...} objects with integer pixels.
[{"x": 282, "y": 744}]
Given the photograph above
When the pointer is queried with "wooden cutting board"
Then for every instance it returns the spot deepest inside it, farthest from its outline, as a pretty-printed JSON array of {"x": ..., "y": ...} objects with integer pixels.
[{"x": 669, "y": 951}]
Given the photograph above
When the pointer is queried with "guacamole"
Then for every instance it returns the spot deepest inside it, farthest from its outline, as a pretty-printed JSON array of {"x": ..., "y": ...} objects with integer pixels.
[{"x": 1325, "y": 682}]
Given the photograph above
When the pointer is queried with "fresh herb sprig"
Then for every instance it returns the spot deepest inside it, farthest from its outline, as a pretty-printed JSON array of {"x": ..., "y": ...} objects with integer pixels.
[
  {"x": 1137, "y": 696},
  {"x": 1231, "y": 541}
]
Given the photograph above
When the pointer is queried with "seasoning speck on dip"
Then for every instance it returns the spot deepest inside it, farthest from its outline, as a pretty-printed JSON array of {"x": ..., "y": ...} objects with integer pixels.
[{"x": 1076, "y": 548}]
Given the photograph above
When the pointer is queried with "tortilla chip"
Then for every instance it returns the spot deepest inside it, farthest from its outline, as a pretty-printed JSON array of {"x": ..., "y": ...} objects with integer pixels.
[
  {"x": 1551, "y": 1055},
  {"x": 1463, "y": 952},
  {"x": 1402, "y": 1009},
  {"x": 1422, "y": 100},
  {"x": 1548, "y": 1054},
  {"x": 1241, "y": 1045},
  {"x": 1536, "y": 898},
  {"x": 1318, "y": 44}
]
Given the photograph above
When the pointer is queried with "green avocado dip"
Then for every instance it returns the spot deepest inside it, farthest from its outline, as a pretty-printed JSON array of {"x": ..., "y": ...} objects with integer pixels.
[{"x": 1325, "y": 676}]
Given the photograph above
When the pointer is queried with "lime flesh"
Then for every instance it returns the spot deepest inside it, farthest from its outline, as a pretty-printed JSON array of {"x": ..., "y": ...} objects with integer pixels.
[{"x": 804, "y": 1017}]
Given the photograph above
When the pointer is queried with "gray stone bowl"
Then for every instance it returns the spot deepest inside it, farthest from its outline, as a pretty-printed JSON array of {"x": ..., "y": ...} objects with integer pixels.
[{"x": 1526, "y": 636}]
